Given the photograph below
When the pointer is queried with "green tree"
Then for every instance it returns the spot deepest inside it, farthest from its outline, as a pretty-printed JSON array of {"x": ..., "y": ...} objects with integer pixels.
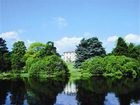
[
  {"x": 37, "y": 51},
  {"x": 112, "y": 66},
  {"x": 121, "y": 48},
  {"x": 49, "y": 66},
  {"x": 33, "y": 50},
  {"x": 132, "y": 51},
  {"x": 138, "y": 52},
  {"x": 5, "y": 63},
  {"x": 18, "y": 52},
  {"x": 88, "y": 48}
]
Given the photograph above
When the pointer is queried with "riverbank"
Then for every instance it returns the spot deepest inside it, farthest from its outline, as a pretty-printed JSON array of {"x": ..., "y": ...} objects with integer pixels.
[
  {"x": 75, "y": 74},
  {"x": 13, "y": 75}
]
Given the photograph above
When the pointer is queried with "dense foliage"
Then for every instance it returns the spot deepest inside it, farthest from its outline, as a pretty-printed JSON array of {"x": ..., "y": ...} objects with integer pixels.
[
  {"x": 5, "y": 63},
  {"x": 121, "y": 47},
  {"x": 48, "y": 66},
  {"x": 129, "y": 50},
  {"x": 17, "y": 55},
  {"x": 138, "y": 51},
  {"x": 43, "y": 60},
  {"x": 112, "y": 66},
  {"x": 88, "y": 48}
]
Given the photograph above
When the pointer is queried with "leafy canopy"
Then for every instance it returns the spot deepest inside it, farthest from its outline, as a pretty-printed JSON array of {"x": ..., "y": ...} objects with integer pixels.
[
  {"x": 127, "y": 49},
  {"x": 43, "y": 60},
  {"x": 88, "y": 48},
  {"x": 5, "y": 63},
  {"x": 18, "y": 52},
  {"x": 113, "y": 65}
]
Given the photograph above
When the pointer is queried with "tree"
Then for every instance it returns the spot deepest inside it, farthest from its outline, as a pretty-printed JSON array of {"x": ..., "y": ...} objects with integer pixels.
[
  {"x": 40, "y": 50},
  {"x": 88, "y": 48},
  {"x": 37, "y": 51},
  {"x": 121, "y": 48},
  {"x": 116, "y": 66},
  {"x": 18, "y": 52},
  {"x": 132, "y": 51},
  {"x": 5, "y": 63},
  {"x": 138, "y": 52}
]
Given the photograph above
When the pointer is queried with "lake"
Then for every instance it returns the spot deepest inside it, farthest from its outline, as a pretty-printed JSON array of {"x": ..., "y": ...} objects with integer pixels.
[{"x": 94, "y": 91}]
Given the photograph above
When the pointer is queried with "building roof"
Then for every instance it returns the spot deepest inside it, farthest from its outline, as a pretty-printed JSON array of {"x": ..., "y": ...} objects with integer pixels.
[{"x": 69, "y": 52}]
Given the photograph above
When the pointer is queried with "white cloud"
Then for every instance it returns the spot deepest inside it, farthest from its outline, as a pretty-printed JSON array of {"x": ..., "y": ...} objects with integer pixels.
[
  {"x": 112, "y": 38},
  {"x": 29, "y": 42},
  {"x": 67, "y": 43},
  {"x": 61, "y": 22},
  {"x": 132, "y": 38},
  {"x": 109, "y": 43},
  {"x": 13, "y": 35}
]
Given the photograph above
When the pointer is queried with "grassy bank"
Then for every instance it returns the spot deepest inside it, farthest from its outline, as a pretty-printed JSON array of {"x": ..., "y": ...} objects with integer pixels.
[
  {"x": 76, "y": 74},
  {"x": 13, "y": 75}
]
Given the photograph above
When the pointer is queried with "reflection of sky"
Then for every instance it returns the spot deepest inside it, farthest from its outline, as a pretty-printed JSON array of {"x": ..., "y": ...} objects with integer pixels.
[
  {"x": 64, "y": 99},
  {"x": 8, "y": 100},
  {"x": 111, "y": 99},
  {"x": 135, "y": 103},
  {"x": 68, "y": 96}
]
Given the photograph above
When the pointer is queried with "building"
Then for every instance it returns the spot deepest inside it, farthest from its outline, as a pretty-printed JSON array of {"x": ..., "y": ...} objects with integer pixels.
[{"x": 69, "y": 56}]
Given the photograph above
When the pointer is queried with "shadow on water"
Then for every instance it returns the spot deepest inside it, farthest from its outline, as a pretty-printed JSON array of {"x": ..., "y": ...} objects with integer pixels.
[
  {"x": 94, "y": 91},
  {"x": 101, "y": 91},
  {"x": 30, "y": 91},
  {"x": 44, "y": 92},
  {"x": 12, "y": 93}
]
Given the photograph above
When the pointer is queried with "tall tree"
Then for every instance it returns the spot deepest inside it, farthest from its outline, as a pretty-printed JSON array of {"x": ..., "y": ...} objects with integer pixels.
[
  {"x": 18, "y": 52},
  {"x": 121, "y": 47},
  {"x": 132, "y": 51},
  {"x": 88, "y": 48},
  {"x": 138, "y": 52},
  {"x": 4, "y": 56}
]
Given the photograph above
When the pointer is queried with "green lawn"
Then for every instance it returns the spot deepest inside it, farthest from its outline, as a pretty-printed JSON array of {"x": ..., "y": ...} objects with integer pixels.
[{"x": 74, "y": 73}]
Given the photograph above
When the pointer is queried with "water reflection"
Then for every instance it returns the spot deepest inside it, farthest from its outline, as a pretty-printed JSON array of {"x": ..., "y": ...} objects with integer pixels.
[
  {"x": 101, "y": 91},
  {"x": 44, "y": 92},
  {"x": 94, "y": 91},
  {"x": 111, "y": 99},
  {"x": 68, "y": 96},
  {"x": 12, "y": 93}
]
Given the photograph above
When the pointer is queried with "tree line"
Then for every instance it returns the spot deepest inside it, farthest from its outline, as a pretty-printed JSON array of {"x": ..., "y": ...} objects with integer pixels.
[
  {"x": 93, "y": 59},
  {"x": 12, "y": 59},
  {"x": 38, "y": 60}
]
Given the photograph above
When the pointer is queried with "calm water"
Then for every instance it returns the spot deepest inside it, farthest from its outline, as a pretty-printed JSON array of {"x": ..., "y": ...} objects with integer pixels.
[{"x": 95, "y": 91}]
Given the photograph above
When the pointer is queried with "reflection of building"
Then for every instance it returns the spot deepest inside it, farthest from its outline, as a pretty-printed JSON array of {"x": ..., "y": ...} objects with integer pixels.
[
  {"x": 70, "y": 89},
  {"x": 69, "y": 56}
]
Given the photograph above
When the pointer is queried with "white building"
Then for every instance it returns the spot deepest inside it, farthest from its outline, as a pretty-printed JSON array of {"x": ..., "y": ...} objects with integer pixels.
[{"x": 69, "y": 56}]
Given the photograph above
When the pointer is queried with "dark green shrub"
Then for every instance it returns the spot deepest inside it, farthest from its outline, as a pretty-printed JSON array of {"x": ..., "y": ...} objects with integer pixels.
[
  {"x": 114, "y": 65},
  {"x": 50, "y": 66}
]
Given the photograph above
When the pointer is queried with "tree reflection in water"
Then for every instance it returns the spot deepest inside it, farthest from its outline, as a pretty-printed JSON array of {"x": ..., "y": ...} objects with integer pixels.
[
  {"x": 15, "y": 90},
  {"x": 101, "y": 91},
  {"x": 44, "y": 92},
  {"x": 94, "y": 91}
]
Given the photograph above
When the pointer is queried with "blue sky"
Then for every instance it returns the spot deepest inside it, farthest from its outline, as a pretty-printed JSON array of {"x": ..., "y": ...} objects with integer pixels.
[{"x": 67, "y": 21}]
